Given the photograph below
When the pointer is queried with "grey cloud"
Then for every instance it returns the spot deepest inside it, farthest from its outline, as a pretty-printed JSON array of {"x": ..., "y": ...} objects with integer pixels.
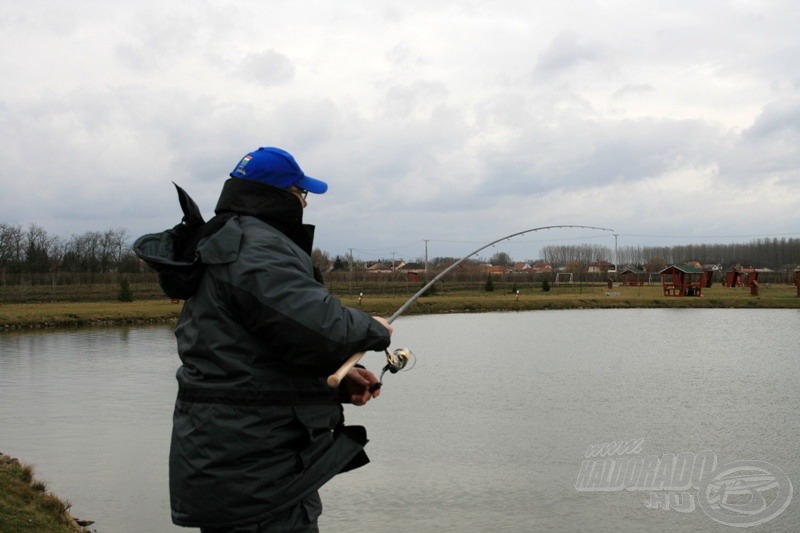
[
  {"x": 401, "y": 54},
  {"x": 564, "y": 52},
  {"x": 632, "y": 89},
  {"x": 153, "y": 42},
  {"x": 631, "y": 150},
  {"x": 548, "y": 141},
  {"x": 411, "y": 148},
  {"x": 112, "y": 153},
  {"x": 267, "y": 68},
  {"x": 770, "y": 148},
  {"x": 777, "y": 119},
  {"x": 416, "y": 97}
]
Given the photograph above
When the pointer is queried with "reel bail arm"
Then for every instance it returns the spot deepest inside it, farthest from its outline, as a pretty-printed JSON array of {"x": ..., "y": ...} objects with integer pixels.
[{"x": 395, "y": 362}]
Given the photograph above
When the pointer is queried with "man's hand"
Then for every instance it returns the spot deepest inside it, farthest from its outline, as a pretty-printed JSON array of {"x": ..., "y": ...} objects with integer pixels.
[
  {"x": 383, "y": 322},
  {"x": 355, "y": 386}
]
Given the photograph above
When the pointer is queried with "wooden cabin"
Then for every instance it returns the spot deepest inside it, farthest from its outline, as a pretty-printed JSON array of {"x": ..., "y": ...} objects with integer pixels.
[
  {"x": 684, "y": 280},
  {"x": 740, "y": 277},
  {"x": 632, "y": 277},
  {"x": 733, "y": 278},
  {"x": 797, "y": 280}
]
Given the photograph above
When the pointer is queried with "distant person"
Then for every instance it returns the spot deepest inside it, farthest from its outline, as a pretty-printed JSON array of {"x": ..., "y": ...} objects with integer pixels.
[{"x": 256, "y": 429}]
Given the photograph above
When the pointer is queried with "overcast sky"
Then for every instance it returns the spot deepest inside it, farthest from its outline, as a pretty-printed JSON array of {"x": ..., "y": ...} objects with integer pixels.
[{"x": 453, "y": 122}]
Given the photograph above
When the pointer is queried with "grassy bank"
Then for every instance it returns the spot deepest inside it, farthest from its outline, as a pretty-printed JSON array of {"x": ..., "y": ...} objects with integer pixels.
[
  {"x": 71, "y": 314},
  {"x": 26, "y": 505},
  {"x": 111, "y": 312},
  {"x": 592, "y": 297}
]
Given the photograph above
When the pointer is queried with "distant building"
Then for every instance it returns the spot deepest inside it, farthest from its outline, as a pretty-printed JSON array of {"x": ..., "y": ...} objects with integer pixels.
[
  {"x": 412, "y": 271},
  {"x": 379, "y": 268},
  {"x": 746, "y": 277},
  {"x": 797, "y": 279},
  {"x": 684, "y": 280},
  {"x": 632, "y": 277},
  {"x": 538, "y": 267},
  {"x": 542, "y": 267},
  {"x": 599, "y": 267},
  {"x": 497, "y": 269}
]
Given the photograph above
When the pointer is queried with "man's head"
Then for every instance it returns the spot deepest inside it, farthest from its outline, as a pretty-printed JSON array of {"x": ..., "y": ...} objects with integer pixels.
[{"x": 276, "y": 168}]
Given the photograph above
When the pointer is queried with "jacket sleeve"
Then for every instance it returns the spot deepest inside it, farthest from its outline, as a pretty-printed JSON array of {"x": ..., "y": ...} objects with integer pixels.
[{"x": 279, "y": 300}]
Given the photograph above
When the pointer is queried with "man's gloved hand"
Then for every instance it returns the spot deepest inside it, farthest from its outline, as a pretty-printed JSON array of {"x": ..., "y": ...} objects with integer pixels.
[{"x": 355, "y": 387}]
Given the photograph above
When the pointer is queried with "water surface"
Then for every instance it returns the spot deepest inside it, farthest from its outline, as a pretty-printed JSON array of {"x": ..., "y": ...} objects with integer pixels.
[{"x": 487, "y": 433}]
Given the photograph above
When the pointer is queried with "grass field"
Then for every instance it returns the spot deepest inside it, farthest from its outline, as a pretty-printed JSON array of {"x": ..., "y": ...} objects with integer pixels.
[{"x": 154, "y": 308}]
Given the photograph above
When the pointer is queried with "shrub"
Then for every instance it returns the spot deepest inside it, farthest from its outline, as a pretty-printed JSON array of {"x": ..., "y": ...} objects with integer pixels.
[
  {"x": 125, "y": 292},
  {"x": 430, "y": 291},
  {"x": 546, "y": 286}
]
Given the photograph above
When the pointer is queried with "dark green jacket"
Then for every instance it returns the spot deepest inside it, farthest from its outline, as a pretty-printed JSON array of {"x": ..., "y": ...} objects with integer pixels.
[{"x": 255, "y": 427}]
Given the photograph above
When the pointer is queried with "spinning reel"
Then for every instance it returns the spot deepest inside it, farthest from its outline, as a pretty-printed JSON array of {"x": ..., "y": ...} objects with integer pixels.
[{"x": 399, "y": 359}]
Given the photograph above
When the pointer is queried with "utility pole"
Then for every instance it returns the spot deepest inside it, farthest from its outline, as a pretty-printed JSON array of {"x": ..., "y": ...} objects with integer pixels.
[
  {"x": 351, "y": 271},
  {"x": 426, "y": 258},
  {"x": 392, "y": 280}
]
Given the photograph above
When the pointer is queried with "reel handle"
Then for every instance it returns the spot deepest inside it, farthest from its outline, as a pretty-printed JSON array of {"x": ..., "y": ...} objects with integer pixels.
[{"x": 337, "y": 377}]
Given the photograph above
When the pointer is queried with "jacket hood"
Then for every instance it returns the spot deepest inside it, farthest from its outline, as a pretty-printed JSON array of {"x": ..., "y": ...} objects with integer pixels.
[{"x": 174, "y": 253}]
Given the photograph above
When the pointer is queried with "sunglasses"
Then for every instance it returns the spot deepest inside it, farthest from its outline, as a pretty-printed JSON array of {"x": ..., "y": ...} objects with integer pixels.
[{"x": 302, "y": 192}]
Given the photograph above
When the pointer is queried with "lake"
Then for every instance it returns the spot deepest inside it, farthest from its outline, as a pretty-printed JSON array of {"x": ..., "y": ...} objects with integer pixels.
[{"x": 500, "y": 426}]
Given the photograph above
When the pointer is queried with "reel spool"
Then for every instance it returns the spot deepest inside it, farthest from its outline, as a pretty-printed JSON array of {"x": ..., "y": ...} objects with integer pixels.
[{"x": 399, "y": 359}]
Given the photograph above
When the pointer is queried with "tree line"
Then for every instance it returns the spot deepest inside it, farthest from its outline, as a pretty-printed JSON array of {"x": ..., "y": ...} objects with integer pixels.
[
  {"x": 29, "y": 254},
  {"x": 777, "y": 254}
]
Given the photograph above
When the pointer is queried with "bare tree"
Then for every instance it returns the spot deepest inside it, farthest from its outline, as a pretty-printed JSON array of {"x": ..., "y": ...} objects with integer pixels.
[
  {"x": 320, "y": 259},
  {"x": 11, "y": 248},
  {"x": 501, "y": 259},
  {"x": 581, "y": 253},
  {"x": 111, "y": 249},
  {"x": 37, "y": 244},
  {"x": 55, "y": 252},
  {"x": 83, "y": 252}
]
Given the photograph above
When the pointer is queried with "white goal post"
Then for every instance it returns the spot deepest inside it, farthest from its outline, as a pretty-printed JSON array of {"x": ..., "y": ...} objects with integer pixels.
[{"x": 567, "y": 275}]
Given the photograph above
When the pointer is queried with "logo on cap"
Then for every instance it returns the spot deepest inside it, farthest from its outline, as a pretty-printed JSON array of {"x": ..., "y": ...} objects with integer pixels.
[{"x": 240, "y": 167}]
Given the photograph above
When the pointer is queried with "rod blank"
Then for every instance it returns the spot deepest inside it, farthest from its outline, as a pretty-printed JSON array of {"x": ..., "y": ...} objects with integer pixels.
[{"x": 336, "y": 378}]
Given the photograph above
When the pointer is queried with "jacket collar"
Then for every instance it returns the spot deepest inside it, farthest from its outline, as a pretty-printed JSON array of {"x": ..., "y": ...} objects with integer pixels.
[{"x": 277, "y": 207}]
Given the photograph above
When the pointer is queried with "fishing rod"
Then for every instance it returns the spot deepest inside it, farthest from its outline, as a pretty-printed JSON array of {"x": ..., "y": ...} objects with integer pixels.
[{"x": 400, "y": 358}]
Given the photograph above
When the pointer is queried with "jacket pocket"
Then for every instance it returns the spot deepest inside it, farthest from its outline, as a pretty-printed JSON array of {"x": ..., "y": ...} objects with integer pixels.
[{"x": 319, "y": 422}]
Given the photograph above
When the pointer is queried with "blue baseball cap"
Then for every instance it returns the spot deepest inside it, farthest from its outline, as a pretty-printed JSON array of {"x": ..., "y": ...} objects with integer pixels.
[{"x": 277, "y": 168}]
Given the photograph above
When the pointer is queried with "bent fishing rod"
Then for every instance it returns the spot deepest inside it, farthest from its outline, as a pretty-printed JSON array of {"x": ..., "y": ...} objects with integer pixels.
[{"x": 399, "y": 359}]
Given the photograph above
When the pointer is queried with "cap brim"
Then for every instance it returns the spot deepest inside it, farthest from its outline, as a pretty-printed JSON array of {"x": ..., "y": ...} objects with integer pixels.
[{"x": 312, "y": 185}]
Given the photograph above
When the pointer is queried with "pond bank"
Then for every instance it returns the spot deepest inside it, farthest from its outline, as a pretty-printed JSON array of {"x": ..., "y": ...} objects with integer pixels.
[
  {"x": 26, "y": 505},
  {"x": 150, "y": 311}
]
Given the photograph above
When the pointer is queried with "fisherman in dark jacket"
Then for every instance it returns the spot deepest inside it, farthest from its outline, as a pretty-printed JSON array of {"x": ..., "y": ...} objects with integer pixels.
[{"x": 256, "y": 429}]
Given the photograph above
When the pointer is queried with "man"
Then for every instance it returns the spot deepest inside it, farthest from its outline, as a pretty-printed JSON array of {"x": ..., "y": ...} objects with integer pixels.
[{"x": 256, "y": 429}]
